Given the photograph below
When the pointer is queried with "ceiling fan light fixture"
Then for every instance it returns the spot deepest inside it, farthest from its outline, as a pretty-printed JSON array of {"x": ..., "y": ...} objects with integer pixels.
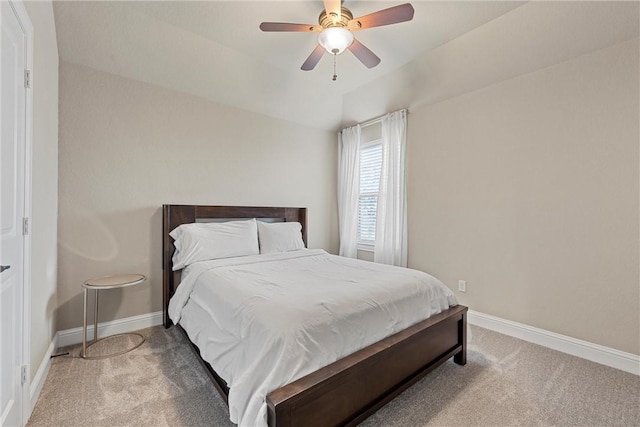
[{"x": 335, "y": 39}]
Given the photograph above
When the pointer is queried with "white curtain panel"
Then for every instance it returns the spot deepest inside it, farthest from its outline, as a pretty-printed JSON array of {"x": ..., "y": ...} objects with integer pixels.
[
  {"x": 348, "y": 189},
  {"x": 391, "y": 217}
]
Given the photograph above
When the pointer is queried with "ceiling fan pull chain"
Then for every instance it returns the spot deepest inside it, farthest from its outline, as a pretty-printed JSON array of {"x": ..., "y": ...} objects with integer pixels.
[{"x": 335, "y": 76}]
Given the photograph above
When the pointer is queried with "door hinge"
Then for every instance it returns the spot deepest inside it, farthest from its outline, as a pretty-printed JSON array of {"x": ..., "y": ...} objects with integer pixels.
[
  {"x": 25, "y": 374},
  {"x": 27, "y": 79},
  {"x": 25, "y": 226}
]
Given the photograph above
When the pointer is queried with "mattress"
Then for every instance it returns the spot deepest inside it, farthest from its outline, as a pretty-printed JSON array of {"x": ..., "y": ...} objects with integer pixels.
[{"x": 263, "y": 321}]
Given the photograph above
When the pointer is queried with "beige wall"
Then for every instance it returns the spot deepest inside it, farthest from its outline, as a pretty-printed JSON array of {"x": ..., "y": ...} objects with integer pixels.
[
  {"x": 44, "y": 207},
  {"x": 127, "y": 147},
  {"x": 528, "y": 190}
]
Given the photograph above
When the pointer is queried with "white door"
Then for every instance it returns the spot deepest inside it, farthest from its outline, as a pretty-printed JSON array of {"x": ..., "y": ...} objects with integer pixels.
[{"x": 12, "y": 162}]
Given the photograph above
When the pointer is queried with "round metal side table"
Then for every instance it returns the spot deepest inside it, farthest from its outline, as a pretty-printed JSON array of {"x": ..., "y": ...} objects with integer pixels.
[{"x": 101, "y": 283}]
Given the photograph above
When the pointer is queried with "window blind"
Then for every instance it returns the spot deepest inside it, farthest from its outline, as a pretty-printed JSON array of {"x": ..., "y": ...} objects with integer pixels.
[{"x": 370, "y": 166}]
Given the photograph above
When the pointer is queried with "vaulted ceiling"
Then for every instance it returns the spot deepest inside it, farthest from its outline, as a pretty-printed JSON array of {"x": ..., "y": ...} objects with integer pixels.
[{"x": 215, "y": 50}]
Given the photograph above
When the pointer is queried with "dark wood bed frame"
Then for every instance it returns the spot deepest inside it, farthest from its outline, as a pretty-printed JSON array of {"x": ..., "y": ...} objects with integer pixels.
[{"x": 350, "y": 389}]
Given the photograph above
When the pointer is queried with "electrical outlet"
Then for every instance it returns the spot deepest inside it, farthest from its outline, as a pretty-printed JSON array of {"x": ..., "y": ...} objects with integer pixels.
[{"x": 462, "y": 285}]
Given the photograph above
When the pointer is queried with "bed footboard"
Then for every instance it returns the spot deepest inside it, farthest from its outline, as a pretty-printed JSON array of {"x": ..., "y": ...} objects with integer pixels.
[{"x": 349, "y": 390}]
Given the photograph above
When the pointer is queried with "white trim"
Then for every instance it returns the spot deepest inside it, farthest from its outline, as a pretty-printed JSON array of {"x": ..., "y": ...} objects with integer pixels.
[
  {"x": 41, "y": 375},
  {"x": 27, "y": 26},
  {"x": 586, "y": 350},
  {"x": 120, "y": 326}
]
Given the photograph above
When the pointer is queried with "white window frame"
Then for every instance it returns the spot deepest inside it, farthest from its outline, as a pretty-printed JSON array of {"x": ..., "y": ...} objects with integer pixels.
[{"x": 367, "y": 245}]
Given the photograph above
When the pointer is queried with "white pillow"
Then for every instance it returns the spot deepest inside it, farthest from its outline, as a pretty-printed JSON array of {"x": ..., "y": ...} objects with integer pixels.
[
  {"x": 206, "y": 241},
  {"x": 280, "y": 237}
]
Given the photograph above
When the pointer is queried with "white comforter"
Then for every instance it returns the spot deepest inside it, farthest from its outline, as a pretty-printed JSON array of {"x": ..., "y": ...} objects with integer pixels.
[{"x": 263, "y": 321}]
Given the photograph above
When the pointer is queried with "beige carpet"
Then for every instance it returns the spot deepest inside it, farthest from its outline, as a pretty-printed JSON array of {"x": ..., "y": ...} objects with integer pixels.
[{"x": 506, "y": 382}]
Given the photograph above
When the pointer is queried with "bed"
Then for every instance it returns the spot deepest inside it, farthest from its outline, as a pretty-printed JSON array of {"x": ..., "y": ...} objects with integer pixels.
[{"x": 351, "y": 388}]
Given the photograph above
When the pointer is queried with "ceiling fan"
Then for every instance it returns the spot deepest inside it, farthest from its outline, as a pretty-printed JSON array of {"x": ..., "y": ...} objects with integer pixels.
[{"x": 336, "y": 28}]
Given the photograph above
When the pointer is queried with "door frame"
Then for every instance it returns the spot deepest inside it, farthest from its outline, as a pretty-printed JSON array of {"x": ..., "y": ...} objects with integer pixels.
[{"x": 27, "y": 27}]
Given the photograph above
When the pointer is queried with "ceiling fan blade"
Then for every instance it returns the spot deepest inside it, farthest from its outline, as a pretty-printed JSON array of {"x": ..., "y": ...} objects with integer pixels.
[
  {"x": 285, "y": 26},
  {"x": 368, "y": 58},
  {"x": 313, "y": 59},
  {"x": 392, "y": 15},
  {"x": 333, "y": 8}
]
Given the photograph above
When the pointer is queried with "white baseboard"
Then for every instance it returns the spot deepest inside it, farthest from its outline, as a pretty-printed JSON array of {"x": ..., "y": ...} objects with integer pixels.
[
  {"x": 120, "y": 326},
  {"x": 37, "y": 380},
  {"x": 594, "y": 352}
]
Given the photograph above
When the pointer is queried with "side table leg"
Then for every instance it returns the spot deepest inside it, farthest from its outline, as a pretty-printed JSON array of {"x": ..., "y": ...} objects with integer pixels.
[
  {"x": 84, "y": 326},
  {"x": 95, "y": 319}
]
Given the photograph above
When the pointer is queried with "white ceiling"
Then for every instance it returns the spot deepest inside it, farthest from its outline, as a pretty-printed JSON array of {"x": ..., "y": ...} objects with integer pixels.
[{"x": 214, "y": 49}]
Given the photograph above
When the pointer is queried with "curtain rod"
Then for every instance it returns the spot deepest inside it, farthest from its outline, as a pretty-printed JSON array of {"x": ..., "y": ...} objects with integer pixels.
[{"x": 377, "y": 119}]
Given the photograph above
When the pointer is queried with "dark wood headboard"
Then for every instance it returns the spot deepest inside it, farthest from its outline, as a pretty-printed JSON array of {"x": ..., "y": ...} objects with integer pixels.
[{"x": 175, "y": 215}]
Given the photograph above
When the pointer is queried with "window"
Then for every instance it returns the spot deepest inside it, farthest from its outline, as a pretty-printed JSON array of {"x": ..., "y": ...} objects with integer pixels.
[{"x": 370, "y": 167}]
